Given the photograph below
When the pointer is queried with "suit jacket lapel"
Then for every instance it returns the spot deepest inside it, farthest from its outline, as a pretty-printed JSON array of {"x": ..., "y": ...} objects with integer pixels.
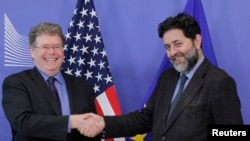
[
  {"x": 44, "y": 89},
  {"x": 169, "y": 85}
]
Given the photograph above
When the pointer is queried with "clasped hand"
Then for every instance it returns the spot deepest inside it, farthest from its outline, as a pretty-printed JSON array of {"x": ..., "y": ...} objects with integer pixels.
[{"x": 88, "y": 124}]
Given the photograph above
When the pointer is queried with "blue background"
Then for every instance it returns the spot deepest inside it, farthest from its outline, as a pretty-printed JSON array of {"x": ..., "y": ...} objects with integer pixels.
[{"x": 129, "y": 32}]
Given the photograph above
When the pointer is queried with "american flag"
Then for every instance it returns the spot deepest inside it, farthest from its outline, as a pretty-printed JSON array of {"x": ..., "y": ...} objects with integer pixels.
[{"x": 86, "y": 57}]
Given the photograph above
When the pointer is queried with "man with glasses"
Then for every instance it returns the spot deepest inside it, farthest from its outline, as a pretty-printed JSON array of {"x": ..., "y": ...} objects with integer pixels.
[{"x": 39, "y": 109}]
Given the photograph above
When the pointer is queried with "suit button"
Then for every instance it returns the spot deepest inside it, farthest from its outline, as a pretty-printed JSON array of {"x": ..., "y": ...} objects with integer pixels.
[{"x": 163, "y": 138}]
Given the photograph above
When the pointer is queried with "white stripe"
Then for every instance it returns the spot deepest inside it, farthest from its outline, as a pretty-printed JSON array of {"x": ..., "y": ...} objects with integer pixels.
[
  {"x": 105, "y": 104},
  {"x": 117, "y": 139}
]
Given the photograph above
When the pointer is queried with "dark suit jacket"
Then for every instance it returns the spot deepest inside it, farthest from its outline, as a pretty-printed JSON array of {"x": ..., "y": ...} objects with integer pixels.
[
  {"x": 33, "y": 113},
  {"x": 209, "y": 98}
]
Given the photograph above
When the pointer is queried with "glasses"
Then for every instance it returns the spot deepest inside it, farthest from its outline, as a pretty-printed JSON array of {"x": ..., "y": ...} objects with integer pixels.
[{"x": 47, "y": 48}]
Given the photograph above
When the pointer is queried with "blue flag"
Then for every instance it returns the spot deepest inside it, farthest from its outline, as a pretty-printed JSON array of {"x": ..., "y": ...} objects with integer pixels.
[{"x": 195, "y": 9}]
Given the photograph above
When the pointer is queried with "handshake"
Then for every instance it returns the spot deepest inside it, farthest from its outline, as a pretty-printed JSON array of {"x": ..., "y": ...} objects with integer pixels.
[{"x": 88, "y": 124}]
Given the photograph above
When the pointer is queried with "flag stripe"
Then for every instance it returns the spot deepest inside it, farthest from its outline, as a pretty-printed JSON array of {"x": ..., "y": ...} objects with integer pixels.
[
  {"x": 105, "y": 105},
  {"x": 98, "y": 107},
  {"x": 112, "y": 97}
]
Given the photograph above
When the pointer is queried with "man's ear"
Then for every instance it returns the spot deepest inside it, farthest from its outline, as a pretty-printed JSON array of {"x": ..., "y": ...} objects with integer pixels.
[{"x": 198, "y": 41}]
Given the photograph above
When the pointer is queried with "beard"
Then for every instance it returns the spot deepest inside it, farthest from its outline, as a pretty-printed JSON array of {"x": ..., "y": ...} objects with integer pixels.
[{"x": 191, "y": 58}]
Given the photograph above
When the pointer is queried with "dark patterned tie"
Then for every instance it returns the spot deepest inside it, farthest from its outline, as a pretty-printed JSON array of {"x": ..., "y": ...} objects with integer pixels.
[
  {"x": 52, "y": 86},
  {"x": 183, "y": 79}
]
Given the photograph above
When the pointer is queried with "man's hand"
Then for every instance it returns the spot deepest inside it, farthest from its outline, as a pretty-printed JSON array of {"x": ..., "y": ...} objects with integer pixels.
[{"x": 88, "y": 124}]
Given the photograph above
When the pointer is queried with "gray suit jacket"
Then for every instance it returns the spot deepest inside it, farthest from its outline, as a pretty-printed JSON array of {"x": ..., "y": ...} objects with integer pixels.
[
  {"x": 209, "y": 98},
  {"x": 33, "y": 113}
]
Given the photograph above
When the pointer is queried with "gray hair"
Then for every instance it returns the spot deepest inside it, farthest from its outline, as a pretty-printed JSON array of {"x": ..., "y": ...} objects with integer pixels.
[{"x": 45, "y": 28}]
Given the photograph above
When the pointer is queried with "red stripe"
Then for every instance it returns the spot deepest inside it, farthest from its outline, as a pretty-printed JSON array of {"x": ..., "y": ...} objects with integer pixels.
[
  {"x": 109, "y": 139},
  {"x": 111, "y": 95},
  {"x": 98, "y": 108}
]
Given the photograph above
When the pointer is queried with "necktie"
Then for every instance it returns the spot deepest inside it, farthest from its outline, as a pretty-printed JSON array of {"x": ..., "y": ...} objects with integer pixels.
[
  {"x": 52, "y": 86},
  {"x": 183, "y": 79}
]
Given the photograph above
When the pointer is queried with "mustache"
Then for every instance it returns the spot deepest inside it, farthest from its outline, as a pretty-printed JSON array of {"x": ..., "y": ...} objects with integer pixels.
[{"x": 177, "y": 55}]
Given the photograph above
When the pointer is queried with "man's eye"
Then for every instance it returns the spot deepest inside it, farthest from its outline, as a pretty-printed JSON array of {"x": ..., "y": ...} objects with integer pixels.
[
  {"x": 45, "y": 47},
  {"x": 167, "y": 47},
  {"x": 178, "y": 44}
]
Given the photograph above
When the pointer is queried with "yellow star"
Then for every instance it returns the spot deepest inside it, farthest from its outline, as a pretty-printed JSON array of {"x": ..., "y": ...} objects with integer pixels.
[{"x": 139, "y": 137}]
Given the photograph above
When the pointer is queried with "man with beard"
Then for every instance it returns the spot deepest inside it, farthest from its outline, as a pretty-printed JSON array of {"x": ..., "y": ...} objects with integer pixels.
[{"x": 209, "y": 95}]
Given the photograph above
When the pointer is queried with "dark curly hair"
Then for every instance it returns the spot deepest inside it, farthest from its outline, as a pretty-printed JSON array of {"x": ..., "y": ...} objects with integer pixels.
[{"x": 182, "y": 21}]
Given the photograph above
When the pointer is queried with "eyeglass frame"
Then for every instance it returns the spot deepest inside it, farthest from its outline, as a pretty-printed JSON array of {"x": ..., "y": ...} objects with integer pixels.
[{"x": 47, "y": 48}]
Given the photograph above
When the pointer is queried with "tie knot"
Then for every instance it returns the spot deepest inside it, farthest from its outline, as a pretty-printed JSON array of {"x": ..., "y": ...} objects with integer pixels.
[
  {"x": 51, "y": 80},
  {"x": 183, "y": 79}
]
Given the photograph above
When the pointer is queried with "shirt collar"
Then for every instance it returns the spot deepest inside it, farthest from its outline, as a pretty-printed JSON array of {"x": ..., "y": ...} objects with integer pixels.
[
  {"x": 58, "y": 76},
  {"x": 193, "y": 70}
]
